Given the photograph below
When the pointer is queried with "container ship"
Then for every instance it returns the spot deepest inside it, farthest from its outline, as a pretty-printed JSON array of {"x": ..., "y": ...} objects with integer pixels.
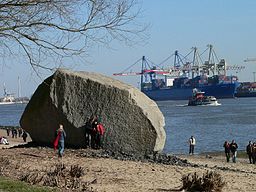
[
  {"x": 177, "y": 82},
  {"x": 246, "y": 89}
]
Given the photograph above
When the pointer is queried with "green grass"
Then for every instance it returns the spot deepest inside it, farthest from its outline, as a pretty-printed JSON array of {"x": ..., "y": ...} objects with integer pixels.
[{"x": 8, "y": 185}]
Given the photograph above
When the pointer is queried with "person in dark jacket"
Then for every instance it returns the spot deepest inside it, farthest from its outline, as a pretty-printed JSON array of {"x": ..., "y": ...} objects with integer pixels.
[
  {"x": 233, "y": 149},
  {"x": 254, "y": 153},
  {"x": 249, "y": 148},
  {"x": 24, "y": 136},
  {"x": 94, "y": 133},
  {"x": 227, "y": 150},
  {"x": 60, "y": 136},
  {"x": 88, "y": 133}
]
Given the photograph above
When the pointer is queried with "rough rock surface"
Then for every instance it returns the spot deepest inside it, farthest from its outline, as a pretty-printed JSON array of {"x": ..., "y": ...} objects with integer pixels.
[{"x": 134, "y": 124}]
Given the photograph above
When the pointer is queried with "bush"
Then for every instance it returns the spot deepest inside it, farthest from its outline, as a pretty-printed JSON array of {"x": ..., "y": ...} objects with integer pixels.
[
  {"x": 211, "y": 181},
  {"x": 60, "y": 177}
]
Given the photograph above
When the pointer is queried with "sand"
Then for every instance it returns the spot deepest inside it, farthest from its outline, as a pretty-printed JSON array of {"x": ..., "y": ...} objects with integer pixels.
[
  {"x": 12, "y": 141},
  {"x": 105, "y": 174}
]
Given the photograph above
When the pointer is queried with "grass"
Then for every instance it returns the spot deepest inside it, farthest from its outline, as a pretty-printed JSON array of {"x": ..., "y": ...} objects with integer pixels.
[{"x": 8, "y": 185}]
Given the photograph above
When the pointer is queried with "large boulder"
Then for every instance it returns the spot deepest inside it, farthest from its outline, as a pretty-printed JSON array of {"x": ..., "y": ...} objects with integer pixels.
[{"x": 134, "y": 124}]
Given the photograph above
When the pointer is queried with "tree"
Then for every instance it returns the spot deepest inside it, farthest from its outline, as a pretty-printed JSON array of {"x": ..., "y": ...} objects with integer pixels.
[{"x": 43, "y": 29}]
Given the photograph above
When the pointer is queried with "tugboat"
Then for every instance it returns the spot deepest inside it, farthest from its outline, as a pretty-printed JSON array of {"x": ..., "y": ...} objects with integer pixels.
[{"x": 198, "y": 98}]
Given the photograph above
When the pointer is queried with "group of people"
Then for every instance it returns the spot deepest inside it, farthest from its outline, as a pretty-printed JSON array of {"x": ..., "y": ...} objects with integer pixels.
[
  {"x": 230, "y": 148},
  {"x": 251, "y": 152},
  {"x": 17, "y": 132},
  {"x": 93, "y": 132}
]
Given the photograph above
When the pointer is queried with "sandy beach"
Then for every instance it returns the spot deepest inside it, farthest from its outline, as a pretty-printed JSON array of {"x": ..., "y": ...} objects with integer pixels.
[
  {"x": 12, "y": 141},
  {"x": 106, "y": 174}
]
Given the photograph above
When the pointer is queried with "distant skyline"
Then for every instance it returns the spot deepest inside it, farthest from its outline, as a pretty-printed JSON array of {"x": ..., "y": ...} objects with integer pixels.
[{"x": 230, "y": 26}]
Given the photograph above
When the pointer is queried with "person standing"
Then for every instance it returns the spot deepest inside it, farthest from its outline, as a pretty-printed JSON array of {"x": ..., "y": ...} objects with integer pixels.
[
  {"x": 99, "y": 135},
  {"x": 227, "y": 150},
  {"x": 8, "y": 131},
  {"x": 59, "y": 141},
  {"x": 249, "y": 148},
  {"x": 94, "y": 132},
  {"x": 20, "y": 131},
  {"x": 233, "y": 149},
  {"x": 24, "y": 136},
  {"x": 192, "y": 143},
  {"x": 88, "y": 132},
  {"x": 254, "y": 153}
]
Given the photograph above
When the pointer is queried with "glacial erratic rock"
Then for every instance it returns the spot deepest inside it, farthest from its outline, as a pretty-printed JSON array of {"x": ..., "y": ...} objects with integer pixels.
[{"x": 134, "y": 124}]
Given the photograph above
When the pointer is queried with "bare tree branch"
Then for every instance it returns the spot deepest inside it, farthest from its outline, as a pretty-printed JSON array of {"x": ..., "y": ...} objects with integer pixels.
[{"x": 66, "y": 28}]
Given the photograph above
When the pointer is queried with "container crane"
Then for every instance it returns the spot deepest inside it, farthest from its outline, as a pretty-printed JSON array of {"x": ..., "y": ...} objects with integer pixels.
[{"x": 250, "y": 59}]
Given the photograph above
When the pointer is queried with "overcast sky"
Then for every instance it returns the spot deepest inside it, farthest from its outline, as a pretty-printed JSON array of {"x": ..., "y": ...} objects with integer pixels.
[{"x": 229, "y": 25}]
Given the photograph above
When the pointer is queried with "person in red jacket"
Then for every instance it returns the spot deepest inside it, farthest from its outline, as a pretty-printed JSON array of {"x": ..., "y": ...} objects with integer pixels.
[
  {"x": 60, "y": 136},
  {"x": 99, "y": 135}
]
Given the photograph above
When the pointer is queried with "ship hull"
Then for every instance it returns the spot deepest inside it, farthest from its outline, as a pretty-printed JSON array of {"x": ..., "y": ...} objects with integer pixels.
[
  {"x": 246, "y": 94},
  {"x": 219, "y": 91}
]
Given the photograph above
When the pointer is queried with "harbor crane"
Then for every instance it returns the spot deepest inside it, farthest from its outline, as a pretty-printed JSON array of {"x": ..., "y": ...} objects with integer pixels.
[{"x": 250, "y": 59}]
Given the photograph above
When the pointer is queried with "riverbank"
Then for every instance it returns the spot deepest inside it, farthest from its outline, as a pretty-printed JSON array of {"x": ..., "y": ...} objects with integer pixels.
[
  {"x": 104, "y": 173},
  {"x": 12, "y": 141},
  {"x": 108, "y": 174}
]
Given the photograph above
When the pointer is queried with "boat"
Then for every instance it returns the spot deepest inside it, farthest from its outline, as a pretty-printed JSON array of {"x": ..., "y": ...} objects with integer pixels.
[
  {"x": 178, "y": 81},
  {"x": 246, "y": 89},
  {"x": 199, "y": 99},
  {"x": 8, "y": 98}
]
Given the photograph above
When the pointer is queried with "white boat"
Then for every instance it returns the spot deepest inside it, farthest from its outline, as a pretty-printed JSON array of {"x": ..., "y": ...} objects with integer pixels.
[
  {"x": 10, "y": 99},
  {"x": 199, "y": 99},
  {"x": 7, "y": 99}
]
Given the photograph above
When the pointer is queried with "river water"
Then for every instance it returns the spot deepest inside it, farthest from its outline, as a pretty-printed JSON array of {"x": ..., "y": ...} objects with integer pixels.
[{"x": 210, "y": 125}]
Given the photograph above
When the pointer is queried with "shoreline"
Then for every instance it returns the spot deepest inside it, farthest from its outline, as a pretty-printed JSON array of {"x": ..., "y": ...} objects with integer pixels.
[
  {"x": 111, "y": 174},
  {"x": 241, "y": 153}
]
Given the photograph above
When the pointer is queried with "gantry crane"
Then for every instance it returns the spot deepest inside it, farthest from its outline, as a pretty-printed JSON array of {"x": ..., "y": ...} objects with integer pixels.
[{"x": 250, "y": 59}]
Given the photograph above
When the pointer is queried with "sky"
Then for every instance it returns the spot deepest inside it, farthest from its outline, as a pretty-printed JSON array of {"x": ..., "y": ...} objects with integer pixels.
[{"x": 229, "y": 25}]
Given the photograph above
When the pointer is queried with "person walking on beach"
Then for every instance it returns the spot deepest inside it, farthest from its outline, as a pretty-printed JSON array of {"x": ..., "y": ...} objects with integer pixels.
[
  {"x": 59, "y": 141},
  {"x": 24, "y": 136},
  {"x": 233, "y": 149},
  {"x": 8, "y": 132},
  {"x": 227, "y": 150},
  {"x": 192, "y": 143},
  {"x": 249, "y": 148},
  {"x": 254, "y": 153},
  {"x": 20, "y": 131}
]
